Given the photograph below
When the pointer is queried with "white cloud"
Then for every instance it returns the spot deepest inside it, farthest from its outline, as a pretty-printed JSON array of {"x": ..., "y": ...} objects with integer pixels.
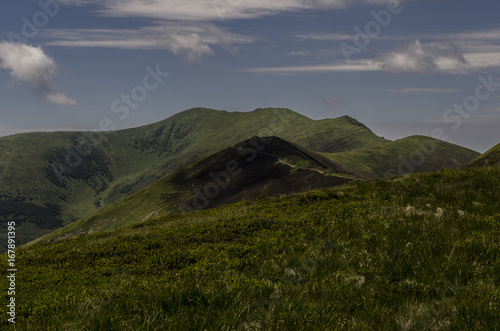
[
  {"x": 453, "y": 57},
  {"x": 481, "y": 48},
  {"x": 189, "y": 40},
  {"x": 28, "y": 65},
  {"x": 424, "y": 59},
  {"x": 60, "y": 98},
  {"x": 425, "y": 90},
  {"x": 31, "y": 66}
]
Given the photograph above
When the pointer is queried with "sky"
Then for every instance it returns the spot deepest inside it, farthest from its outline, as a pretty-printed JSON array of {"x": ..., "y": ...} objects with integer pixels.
[{"x": 428, "y": 67}]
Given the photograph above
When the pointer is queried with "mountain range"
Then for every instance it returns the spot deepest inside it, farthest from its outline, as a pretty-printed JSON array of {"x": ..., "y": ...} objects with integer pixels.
[{"x": 50, "y": 180}]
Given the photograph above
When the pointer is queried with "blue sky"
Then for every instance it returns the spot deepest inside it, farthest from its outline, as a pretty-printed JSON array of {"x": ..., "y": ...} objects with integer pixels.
[{"x": 401, "y": 68}]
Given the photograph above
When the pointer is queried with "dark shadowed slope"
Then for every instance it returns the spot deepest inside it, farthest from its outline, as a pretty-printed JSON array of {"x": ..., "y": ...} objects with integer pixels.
[{"x": 255, "y": 168}]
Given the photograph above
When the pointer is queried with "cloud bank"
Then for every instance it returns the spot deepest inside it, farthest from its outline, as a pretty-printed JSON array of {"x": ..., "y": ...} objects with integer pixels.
[{"x": 32, "y": 67}]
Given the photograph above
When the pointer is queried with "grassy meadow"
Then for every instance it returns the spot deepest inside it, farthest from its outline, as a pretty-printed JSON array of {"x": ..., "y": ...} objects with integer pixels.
[{"x": 405, "y": 253}]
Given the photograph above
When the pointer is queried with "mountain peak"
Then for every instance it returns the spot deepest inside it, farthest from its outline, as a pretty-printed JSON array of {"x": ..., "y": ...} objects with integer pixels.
[{"x": 353, "y": 121}]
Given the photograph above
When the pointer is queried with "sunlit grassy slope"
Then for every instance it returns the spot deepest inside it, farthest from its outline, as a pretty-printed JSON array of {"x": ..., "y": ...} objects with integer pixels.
[
  {"x": 490, "y": 158},
  {"x": 404, "y": 156},
  {"x": 413, "y": 252}
]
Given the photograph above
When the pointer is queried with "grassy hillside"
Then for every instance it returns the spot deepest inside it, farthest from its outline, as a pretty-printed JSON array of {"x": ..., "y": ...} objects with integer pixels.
[
  {"x": 258, "y": 167},
  {"x": 48, "y": 180},
  {"x": 404, "y": 156},
  {"x": 31, "y": 194},
  {"x": 413, "y": 252},
  {"x": 488, "y": 159}
]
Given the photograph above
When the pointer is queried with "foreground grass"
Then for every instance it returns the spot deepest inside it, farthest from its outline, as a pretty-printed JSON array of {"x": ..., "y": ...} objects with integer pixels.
[{"x": 417, "y": 252}]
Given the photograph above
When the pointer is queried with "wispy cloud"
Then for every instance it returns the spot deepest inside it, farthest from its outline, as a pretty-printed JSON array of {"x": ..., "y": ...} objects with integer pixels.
[
  {"x": 317, "y": 55},
  {"x": 335, "y": 37},
  {"x": 425, "y": 90},
  {"x": 194, "y": 10},
  {"x": 464, "y": 37},
  {"x": 203, "y": 10},
  {"x": 343, "y": 4},
  {"x": 325, "y": 36},
  {"x": 346, "y": 67},
  {"x": 192, "y": 41},
  {"x": 458, "y": 52},
  {"x": 479, "y": 35},
  {"x": 31, "y": 66},
  {"x": 416, "y": 58},
  {"x": 336, "y": 103}
]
